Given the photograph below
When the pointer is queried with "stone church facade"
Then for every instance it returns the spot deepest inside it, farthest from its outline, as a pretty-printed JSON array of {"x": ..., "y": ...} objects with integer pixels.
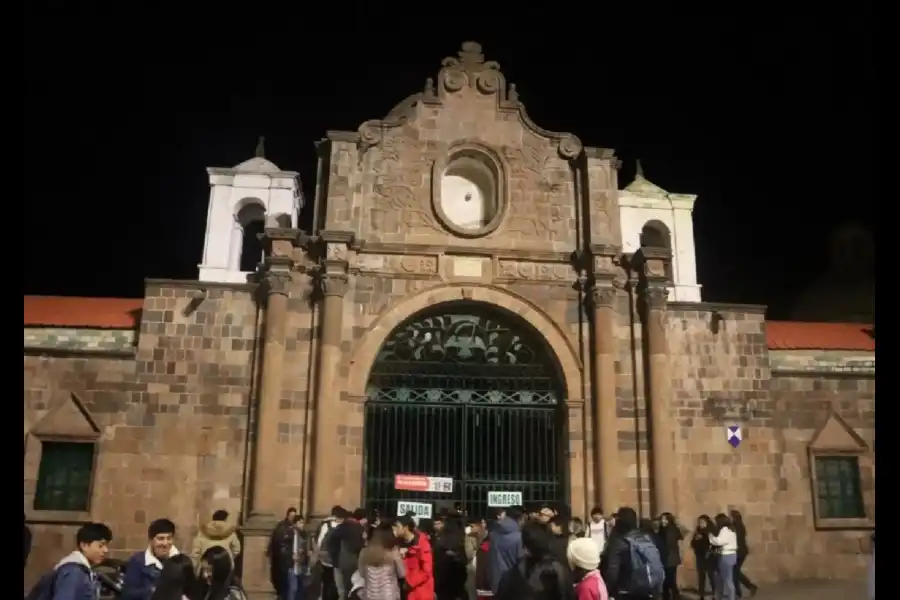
[{"x": 464, "y": 263}]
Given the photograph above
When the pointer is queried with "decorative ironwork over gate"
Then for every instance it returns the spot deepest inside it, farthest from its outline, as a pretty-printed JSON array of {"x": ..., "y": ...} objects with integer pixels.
[{"x": 467, "y": 395}]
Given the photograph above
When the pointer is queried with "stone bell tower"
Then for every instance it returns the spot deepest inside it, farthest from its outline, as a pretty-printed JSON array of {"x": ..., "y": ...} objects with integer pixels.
[{"x": 240, "y": 199}]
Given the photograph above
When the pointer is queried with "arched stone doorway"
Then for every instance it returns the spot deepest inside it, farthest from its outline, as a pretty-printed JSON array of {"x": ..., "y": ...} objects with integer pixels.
[{"x": 468, "y": 392}]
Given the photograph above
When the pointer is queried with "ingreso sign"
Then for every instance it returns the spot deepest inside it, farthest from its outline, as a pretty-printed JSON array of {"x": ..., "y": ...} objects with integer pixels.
[{"x": 504, "y": 499}]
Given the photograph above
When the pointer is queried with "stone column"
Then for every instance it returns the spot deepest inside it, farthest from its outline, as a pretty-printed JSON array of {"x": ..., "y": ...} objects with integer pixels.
[
  {"x": 333, "y": 281},
  {"x": 266, "y": 505},
  {"x": 604, "y": 425},
  {"x": 264, "y": 501},
  {"x": 662, "y": 461}
]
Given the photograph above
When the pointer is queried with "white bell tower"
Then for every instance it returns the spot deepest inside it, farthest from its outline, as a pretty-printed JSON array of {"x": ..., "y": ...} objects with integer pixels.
[
  {"x": 240, "y": 200},
  {"x": 651, "y": 216}
]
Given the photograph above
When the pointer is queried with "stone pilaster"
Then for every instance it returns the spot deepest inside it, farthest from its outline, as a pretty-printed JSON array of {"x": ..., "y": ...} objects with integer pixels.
[
  {"x": 266, "y": 505},
  {"x": 334, "y": 283},
  {"x": 662, "y": 461},
  {"x": 605, "y": 439}
]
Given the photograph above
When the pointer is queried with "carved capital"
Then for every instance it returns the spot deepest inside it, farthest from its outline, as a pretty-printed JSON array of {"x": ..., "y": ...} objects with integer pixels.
[
  {"x": 334, "y": 284},
  {"x": 604, "y": 296},
  {"x": 278, "y": 282},
  {"x": 655, "y": 297}
]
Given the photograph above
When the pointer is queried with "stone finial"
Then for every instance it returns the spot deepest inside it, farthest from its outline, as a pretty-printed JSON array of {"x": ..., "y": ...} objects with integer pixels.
[
  {"x": 470, "y": 55},
  {"x": 260, "y": 147},
  {"x": 639, "y": 171}
]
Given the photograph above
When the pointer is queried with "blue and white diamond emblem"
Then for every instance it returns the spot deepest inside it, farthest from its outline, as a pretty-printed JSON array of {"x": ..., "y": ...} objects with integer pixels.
[{"x": 734, "y": 435}]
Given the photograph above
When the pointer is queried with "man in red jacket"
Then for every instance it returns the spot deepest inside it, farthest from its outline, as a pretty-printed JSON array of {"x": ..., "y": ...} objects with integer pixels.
[{"x": 417, "y": 558}]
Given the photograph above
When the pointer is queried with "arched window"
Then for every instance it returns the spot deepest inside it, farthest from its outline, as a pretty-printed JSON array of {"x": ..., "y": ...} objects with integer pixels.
[
  {"x": 655, "y": 234},
  {"x": 250, "y": 220}
]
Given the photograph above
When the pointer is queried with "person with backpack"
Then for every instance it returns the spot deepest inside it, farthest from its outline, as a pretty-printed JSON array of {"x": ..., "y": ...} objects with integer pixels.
[
  {"x": 323, "y": 582},
  {"x": 73, "y": 577},
  {"x": 631, "y": 565},
  {"x": 218, "y": 532},
  {"x": 537, "y": 575}
]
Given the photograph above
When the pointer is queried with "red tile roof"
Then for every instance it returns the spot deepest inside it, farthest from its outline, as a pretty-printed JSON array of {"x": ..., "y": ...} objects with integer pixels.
[
  {"x": 795, "y": 335},
  {"x": 100, "y": 313}
]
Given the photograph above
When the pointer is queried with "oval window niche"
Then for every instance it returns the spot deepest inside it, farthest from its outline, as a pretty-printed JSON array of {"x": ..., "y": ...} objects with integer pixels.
[{"x": 468, "y": 191}]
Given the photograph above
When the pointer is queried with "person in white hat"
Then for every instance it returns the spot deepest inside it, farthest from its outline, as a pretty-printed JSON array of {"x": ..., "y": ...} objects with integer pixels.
[{"x": 584, "y": 558}]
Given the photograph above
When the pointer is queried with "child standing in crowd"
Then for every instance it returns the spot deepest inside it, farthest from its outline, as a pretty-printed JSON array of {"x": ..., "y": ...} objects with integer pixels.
[{"x": 584, "y": 559}]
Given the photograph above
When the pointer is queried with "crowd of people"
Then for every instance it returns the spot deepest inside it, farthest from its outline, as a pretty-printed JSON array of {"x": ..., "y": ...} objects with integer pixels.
[
  {"x": 160, "y": 572},
  {"x": 539, "y": 553},
  {"x": 535, "y": 554}
]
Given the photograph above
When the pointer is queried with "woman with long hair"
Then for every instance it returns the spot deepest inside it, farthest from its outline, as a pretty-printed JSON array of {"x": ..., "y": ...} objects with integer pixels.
[
  {"x": 177, "y": 580},
  {"x": 740, "y": 530},
  {"x": 725, "y": 541},
  {"x": 217, "y": 579},
  {"x": 381, "y": 566},
  {"x": 704, "y": 557},
  {"x": 670, "y": 537}
]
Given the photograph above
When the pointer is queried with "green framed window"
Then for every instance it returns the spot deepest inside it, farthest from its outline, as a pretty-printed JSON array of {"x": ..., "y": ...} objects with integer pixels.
[
  {"x": 64, "y": 476},
  {"x": 838, "y": 490}
]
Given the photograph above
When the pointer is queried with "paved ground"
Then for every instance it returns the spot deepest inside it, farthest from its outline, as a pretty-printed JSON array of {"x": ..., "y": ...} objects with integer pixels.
[{"x": 813, "y": 590}]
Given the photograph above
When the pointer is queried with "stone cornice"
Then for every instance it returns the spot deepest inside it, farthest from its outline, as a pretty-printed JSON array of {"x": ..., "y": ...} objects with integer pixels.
[{"x": 194, "y": 284}]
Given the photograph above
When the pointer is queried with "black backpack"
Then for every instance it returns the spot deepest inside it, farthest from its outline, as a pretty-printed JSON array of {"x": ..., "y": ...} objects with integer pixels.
[{"x": 43, "y": 589}]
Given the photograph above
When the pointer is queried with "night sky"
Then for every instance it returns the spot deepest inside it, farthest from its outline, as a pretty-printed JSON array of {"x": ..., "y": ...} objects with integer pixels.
[{"x": 768, "y": 118}]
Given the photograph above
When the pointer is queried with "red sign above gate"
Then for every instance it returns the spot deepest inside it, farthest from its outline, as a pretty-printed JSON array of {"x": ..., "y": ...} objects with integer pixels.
[{"x": 423, "y": 483}]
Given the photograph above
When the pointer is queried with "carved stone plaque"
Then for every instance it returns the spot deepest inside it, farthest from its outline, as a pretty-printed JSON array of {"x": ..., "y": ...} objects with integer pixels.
[
  {"x": 538, "y": 271},
  {"x": 392, "y": 263}
]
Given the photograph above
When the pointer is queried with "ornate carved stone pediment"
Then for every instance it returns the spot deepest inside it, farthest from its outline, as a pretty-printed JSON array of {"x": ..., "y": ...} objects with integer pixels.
[{"x": 466, "y": 76}]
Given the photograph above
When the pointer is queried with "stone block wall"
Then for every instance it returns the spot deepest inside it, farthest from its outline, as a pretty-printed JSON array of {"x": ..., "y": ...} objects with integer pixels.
[
  {"x": 172, "y": 419},
  {"x": 722, "y": 375}
]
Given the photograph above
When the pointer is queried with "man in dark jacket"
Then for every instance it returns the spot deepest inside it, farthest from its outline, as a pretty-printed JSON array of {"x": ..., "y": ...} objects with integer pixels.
[
  {"x": 144, "y": 568},
  {"x": 615, "y": 566},
  {"x": 279, "y": 552},
  {"x": 73, "y": 577},
  {"x": 349, "y": 540},
  {"x": 506, "y": 544}
]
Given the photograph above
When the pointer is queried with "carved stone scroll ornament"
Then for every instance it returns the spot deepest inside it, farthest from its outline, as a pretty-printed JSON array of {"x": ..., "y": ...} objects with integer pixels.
[
  {"x": 570, "y": 146},
  {"x": 278, "y": 282},
  {"x": 604, "y": 296},
  {"x": 370, "y": 134},
  {"x": 655, "y": 297},
  {"x": 334, "y": 284},
  {"x": 471, "y": 68}
]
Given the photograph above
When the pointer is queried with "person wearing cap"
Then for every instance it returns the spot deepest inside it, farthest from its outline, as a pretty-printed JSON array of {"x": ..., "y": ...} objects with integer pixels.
[{"x": 583, "y": 556}]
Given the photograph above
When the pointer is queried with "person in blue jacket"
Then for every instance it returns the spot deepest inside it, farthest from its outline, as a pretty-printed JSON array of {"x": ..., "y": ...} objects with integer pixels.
[
  {"x": 143, "y": 568},
  {"x": 73, "y": 576},
  {"x": 506, "y": 544}
]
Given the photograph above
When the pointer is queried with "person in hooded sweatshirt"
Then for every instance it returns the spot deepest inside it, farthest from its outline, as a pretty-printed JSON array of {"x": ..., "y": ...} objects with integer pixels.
[
  {"x": 73, "y": 577},
  {"x": 506, "y": 544},
  {"x": 218, "y": 532}
]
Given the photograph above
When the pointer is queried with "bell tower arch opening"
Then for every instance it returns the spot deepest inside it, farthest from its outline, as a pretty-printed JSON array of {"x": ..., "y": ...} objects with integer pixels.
[{"x": 472, "y": 394}]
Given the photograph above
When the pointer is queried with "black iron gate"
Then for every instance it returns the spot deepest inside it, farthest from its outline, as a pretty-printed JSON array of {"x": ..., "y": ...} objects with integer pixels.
[{"x": 464, "y": 395}]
